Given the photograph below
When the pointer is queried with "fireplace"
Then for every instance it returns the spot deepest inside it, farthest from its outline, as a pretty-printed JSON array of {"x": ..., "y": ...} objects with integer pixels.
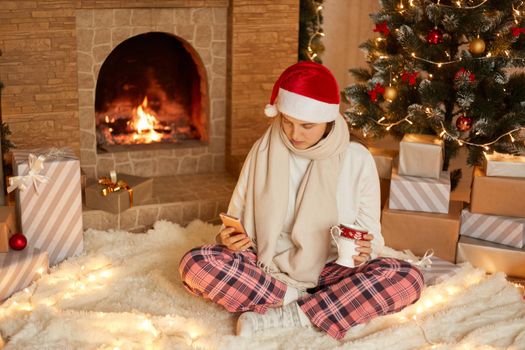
[
  {"x": 166, "y": 65},
  {"x": 149, "y": 92}
]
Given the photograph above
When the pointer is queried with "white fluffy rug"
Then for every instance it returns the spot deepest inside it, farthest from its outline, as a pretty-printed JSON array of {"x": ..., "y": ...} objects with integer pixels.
[{"x": 125, "y": 293}]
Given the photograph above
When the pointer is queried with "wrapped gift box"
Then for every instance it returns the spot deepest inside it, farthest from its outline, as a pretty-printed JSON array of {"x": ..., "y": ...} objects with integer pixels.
[
  {"x": 50, "y": 208},
  {"x": 492, "y": 257},
  {"x": 7, "y": 227},
  {"x": 19, "y": 268},
  {"x": 420, "y": 193},
  {"x": 116, "y": 202},
  {"x": 503, "y": 196},
  {"x": 438, "y": 271},
  {"x": 506, "y": 165},
  {"x": 498, "y": 229},
  {"x": 384, "y": 159},
  {"x": 385, "y": 190},
  {"x": 421, "y": 155},
  {"x": 420, "y": 232}
]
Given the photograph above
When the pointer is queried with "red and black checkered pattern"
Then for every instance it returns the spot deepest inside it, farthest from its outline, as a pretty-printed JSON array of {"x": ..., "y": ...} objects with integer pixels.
[
  {"x": 346, "y": 296},
  {"x": 229, "y": 278},
  {"x": 343, "y": 298}
]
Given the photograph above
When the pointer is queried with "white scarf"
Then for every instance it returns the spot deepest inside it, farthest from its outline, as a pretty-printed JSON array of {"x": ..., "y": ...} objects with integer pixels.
[{"x": 315, "y": 207}]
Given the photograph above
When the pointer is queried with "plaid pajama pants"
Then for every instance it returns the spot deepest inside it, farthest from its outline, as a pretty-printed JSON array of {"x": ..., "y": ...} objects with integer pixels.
[{"x": 343, "y": 297}]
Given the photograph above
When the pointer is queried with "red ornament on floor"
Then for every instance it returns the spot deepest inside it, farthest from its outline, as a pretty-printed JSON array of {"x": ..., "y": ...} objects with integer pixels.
[
  {"x": 18, "y": 241},
  {"x": 435, "y": 36},
  {"x": 463, "y": 123}
]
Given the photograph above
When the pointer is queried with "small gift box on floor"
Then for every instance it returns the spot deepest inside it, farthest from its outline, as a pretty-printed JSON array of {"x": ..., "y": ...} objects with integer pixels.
[
  {"x": 499, "y": 229},
  {"x": 384, "y": 159},
  {"x": 506, "y": 165},
  {"x": 421, "y": 155},
  {"x": 493, "y": 195},
  {"x": 19, "y": 268},
  {"x": 438, "y": 270},
  {"x": 420, "y": 232},
  {"x": 116, "y": 194},
  {"x": 492, "y": 257},
  {"x": 420, "y": 193},
  {"x": 49, "y": 200},
  {"x": 7, "y": 227}
]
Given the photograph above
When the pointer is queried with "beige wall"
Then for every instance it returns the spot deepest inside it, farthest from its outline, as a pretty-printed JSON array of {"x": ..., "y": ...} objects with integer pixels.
[{"x": 346, "y": 26}]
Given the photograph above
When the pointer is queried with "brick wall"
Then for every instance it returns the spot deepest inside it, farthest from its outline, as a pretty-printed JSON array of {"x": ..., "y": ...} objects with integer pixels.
[
  {"x": 39, "y": 71},
  {"x": 264, "y": 41}
]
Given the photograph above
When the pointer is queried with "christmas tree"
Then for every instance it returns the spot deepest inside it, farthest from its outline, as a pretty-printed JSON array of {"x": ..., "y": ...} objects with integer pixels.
[{"x": 446, "y": 68}]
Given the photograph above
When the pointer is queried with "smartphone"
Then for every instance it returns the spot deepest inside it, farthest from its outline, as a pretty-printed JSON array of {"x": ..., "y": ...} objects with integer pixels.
[{"x": 232, "y": 221}]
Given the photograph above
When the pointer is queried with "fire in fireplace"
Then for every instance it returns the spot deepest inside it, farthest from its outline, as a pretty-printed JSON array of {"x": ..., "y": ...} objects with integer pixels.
[{"x": 150, "y": 90}]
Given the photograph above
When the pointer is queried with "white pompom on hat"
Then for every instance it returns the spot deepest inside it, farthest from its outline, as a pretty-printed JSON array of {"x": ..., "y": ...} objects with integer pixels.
[{"x": 305, "y": 91}]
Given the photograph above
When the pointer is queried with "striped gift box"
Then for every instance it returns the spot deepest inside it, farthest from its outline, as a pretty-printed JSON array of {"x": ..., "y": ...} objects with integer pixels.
[
  {"x": 51, "y": 215},
  {"x": 438, "y": 271},
  {"x": 19, "y": 268},
  {"x": 420, "y": 193},
  {"x": 499, "y": 229}
]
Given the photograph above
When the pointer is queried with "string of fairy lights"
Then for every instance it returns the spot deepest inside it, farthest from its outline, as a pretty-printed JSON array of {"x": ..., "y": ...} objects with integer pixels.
[
  {"x": 90, "y": 278},
  {"x": 477, "y": 46},
  {"x": 318, "y": 32}
]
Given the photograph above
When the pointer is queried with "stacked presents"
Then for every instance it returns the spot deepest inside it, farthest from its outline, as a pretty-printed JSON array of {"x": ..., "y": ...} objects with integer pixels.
[
  {"x": 46, "y": 226},
  {"x": 493, "y": 228},
  {"x": 418, "y": 214}
]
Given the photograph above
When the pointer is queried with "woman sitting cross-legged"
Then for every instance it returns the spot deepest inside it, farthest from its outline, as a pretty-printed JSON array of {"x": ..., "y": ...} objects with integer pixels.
[{"x": 301, "y": 177}]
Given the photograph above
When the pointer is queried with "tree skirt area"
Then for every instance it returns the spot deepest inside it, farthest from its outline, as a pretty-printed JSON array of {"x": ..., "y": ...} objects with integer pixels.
[{"x": 125, "y": 293}]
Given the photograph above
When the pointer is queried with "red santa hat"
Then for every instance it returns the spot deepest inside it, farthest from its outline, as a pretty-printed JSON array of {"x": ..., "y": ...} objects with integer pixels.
[{"x": 306, "y": 91}]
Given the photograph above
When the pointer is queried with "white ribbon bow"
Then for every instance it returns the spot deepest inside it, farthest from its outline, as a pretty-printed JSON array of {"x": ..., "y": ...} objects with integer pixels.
[
  {"x": 424, "y": 262},
  {"x": 36, "y": 164}
]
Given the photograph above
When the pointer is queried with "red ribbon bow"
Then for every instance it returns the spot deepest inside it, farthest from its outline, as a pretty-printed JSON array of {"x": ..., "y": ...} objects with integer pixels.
[
  {"x": 378, "y": 89},
  {"x": 382, "y": 28},
  {"x": 463, "y": 71},
  {"x": 410, "y": 77},
  {"x": 516, "y": 31}
]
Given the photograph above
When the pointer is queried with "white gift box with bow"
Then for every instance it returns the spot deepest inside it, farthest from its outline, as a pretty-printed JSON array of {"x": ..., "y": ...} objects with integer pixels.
[
  {"x": 506, "y": 165},
  {"x": 49, "y": 201}
]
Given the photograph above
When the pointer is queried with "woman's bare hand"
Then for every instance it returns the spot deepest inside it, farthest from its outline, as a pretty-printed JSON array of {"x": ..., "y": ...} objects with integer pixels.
[
  {"x": 234, "y": 240},
  {"x": 364, "y": 247}
]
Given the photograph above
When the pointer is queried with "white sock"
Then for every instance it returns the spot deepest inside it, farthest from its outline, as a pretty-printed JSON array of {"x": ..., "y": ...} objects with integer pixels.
[
  {"x": 291, "y": 295},
  {"x": 305, "y": 321}
]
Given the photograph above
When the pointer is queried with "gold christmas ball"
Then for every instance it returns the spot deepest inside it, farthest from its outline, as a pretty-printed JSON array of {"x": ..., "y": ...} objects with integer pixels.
[
  {"x": 477, "y": 46},
  {"x": 390, "y": 93}
]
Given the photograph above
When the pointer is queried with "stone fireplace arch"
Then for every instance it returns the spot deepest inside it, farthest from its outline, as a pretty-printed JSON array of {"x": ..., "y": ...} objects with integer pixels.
[
  {"x": 202, "y": 32},
  {"x": 156, "y": 78}
]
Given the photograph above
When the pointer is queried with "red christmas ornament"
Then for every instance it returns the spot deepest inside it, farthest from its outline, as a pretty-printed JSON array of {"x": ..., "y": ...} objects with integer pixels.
[
  {"x": 463, "y": 71},
  {"x": 18, "y": 241},
  {"x": 463, "y": 123},
  {"x": 517, "y": 31},
  {"x": 435, "y": 36},
  {"x": 378, "y": 89},
  {"x": 382, "y": 28},
  {"x": 410, "y": 77}
]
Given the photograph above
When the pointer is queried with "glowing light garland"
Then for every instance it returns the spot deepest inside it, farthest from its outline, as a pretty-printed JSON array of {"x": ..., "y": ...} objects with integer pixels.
[
  {"x": 459, "y": 5},
  {"x": 483, "y": 145},
  {"x": 444, "y": 132}
]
